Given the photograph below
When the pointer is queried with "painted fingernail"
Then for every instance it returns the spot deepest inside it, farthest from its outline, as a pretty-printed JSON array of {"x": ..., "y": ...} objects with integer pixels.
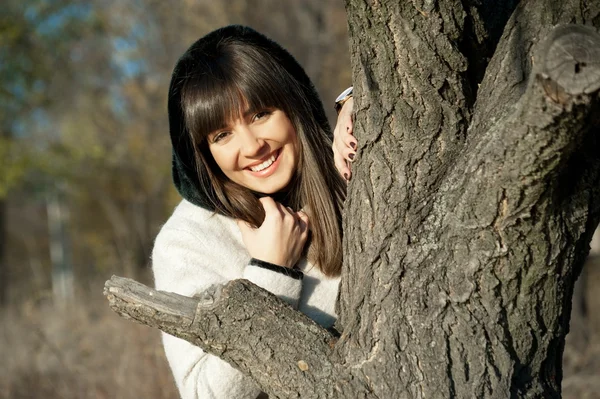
[
  {"x": 353, "y": 145},
  {"x": 351, "y": 156}
]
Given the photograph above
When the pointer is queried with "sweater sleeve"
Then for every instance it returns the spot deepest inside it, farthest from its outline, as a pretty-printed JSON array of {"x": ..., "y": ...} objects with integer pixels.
[{"x": 183, "y": 264}]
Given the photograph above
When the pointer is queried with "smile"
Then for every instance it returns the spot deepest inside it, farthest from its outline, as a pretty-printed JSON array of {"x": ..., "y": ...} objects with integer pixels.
[
  {"x": 265, "y": 164},
  {"x": 267, "y": 167}
]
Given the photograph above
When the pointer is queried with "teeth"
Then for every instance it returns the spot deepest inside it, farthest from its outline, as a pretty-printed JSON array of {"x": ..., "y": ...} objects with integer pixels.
[{"x": 264, "y": 165}]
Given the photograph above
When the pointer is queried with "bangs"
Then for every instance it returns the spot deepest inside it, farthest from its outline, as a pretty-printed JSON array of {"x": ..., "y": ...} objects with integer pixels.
[{"x": 241, "y": 79}]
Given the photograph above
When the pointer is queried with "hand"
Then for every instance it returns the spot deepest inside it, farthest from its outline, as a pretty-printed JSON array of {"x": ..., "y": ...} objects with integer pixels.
[
  {"x": 344, "y": 143},
  {"x": 280, "y": 239}
]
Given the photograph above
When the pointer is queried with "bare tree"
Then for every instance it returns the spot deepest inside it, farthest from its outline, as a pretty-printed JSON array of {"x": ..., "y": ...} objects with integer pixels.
[{"x": 469, "y": 216}]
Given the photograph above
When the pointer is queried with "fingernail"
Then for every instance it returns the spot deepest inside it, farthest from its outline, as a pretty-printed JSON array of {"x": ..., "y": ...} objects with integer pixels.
[
  {"x": 351, "y": 156},
  {"x": 353, "y": 145}
]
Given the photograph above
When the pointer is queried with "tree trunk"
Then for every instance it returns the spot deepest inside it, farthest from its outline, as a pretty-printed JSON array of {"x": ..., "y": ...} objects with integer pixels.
[
  {"x": 469, "y": 216},
  {"x": 60, "y": 248},
  {"x": 3, "y": 263},
  {"x": 460, "y": 274}
]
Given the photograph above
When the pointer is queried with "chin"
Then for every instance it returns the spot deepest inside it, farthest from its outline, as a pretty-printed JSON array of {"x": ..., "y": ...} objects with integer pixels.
[
  {"x": 274, "y": 188},
  {"x": 269, "y": 191}
]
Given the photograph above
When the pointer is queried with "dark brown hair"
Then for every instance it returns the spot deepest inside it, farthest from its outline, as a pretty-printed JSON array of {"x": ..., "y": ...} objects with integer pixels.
[{"x": 233, "y": 75}]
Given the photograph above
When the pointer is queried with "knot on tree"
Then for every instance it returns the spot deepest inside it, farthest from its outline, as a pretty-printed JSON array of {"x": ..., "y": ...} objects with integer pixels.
[{"x": 570, "y": 62}]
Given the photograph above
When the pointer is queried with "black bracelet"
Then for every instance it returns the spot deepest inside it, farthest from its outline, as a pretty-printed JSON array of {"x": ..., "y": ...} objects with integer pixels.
[{"x": 293, "y": 273}]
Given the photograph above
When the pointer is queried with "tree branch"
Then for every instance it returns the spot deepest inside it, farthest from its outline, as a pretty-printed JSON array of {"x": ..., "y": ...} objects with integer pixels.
[
  {"x": 550, "y": 120},
  {"x": 244, "y": 325},
  {"x": 506, "y": 76},
  {"x": 517, "y": 162}
]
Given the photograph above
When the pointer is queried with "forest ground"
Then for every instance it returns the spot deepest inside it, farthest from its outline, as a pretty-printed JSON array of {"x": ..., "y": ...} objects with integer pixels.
[{"x": 86, "y": 351}]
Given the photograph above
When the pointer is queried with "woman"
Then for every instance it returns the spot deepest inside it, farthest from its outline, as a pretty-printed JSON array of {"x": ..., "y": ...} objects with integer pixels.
[{"x": 262, "y": 197}]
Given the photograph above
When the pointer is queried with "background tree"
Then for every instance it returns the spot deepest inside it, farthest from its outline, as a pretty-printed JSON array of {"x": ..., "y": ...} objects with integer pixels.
[
  {"x": 473, "y": 204},
  {"x": 83, "y": 89},
  {"x": 35, "y": 39},
  {"x": 83, "y": 119}
]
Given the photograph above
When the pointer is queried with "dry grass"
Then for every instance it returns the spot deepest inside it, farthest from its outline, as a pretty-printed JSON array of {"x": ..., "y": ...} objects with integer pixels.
[
  {"x": 87, "y": 351},
  {"x": 581, "y": 360},
  {"x": 84, "y": 351},
  {"x": 582, "y": 370}
]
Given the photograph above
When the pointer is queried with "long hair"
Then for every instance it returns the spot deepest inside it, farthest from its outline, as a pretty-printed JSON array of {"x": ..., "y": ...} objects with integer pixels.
[{"x": 232, "y": 75}]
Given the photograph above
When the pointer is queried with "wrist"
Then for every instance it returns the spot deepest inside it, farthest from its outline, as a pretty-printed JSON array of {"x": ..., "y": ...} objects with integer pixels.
[
  {"x": 288, "y": 271},
  {"x": 343, "y": 98},
  {"x": 346, "y": 107},
  {"x": 273, "y": 260}
]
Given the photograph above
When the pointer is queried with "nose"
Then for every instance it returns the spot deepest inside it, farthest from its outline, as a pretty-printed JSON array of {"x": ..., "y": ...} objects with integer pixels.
[{"x": 252, "y": 145}]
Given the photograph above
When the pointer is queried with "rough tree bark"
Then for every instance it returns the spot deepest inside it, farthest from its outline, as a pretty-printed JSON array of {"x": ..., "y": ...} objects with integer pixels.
[
  {"x": 473, "y": 202},
  {"x": 486, "y": 198}
]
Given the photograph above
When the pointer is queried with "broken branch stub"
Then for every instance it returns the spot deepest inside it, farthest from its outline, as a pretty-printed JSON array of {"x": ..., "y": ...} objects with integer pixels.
[{"x": 571, "y": 61}]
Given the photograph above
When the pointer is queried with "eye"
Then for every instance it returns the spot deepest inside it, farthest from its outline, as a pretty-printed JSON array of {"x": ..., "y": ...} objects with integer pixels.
[
  {"x": 219, "y": 136},
  {"x": 261, "y": 115}
]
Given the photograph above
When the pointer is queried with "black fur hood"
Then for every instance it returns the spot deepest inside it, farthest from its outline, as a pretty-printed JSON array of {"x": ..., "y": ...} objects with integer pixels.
[{"x": 184, "y": 164}]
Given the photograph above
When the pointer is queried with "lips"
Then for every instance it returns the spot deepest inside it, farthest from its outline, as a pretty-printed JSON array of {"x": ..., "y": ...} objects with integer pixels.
[
  {"x": 265, "y": 164},
  {"x": 266, "y": 167}
]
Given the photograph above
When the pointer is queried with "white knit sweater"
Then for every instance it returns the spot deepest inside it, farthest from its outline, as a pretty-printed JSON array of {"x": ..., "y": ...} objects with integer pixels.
[{"x": 196, "y": 249}]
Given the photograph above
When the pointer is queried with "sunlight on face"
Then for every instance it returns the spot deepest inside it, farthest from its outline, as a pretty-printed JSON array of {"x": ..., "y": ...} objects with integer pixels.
[{"x": 259, "y": 150}]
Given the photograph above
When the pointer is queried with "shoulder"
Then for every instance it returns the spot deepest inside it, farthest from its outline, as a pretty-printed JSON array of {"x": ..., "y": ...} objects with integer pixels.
[
  {"x": 196, "y": 247},
  {"x": 193, "y": 222},
  {"x": 188, "y": 214}
]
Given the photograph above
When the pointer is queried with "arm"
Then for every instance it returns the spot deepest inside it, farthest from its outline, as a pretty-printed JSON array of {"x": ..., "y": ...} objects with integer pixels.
[{"x": 188, "y": 264}]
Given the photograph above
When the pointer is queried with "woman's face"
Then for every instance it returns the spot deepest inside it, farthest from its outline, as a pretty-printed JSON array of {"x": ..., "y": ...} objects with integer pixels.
[{"x": 259, "y": 150}]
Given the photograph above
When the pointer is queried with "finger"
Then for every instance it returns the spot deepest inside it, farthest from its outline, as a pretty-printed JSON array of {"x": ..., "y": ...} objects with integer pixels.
[
  {"x": 287, "y": 213},
  {"x": 282, "y": 212},
  {"x": 345, "y": 146},
  {"x": 349, "y": 155},
  {"x": 345, "y": 139},
  {"x": 336, "y": 131},
  {"x": 350, "y": 141},
  {"x": 346, "y": 127},
  {"x": 303, "y": 218},
  {"x": 350, "y": 127},
  {"x": 292, "y": 213},
  {"x": 339, "y": 143},
  {"x": 342, "y": 166},
  {"x": 338, "y": 154},
  {"x": 345, "y": 116},
  {"x": 271, "y": 207}
]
